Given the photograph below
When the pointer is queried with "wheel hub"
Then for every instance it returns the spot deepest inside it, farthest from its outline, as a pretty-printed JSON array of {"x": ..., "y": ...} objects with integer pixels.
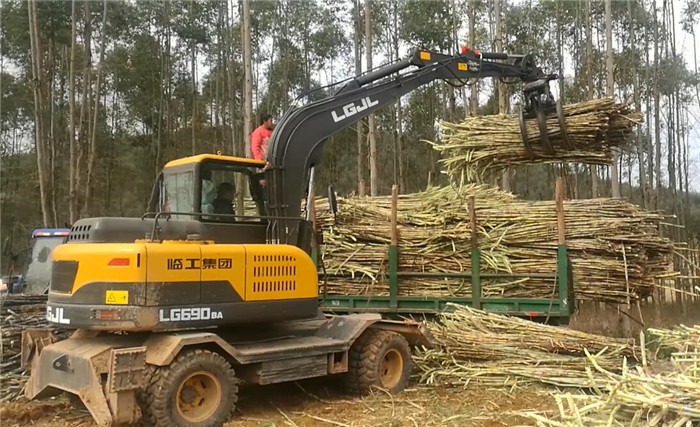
[
  {"x": 198, "y": 396},
  {"x": 391, "y": 369}
]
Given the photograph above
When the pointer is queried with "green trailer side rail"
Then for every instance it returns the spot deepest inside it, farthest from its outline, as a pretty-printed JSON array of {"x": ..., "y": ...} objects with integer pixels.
[{"x": 558, "y": 307}]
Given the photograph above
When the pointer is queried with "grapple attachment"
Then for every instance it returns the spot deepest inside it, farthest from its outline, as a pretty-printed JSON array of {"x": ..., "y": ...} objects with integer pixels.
[{"x": 538, "y": 103}]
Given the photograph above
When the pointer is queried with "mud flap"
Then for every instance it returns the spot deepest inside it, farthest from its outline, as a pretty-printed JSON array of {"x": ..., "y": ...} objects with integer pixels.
[{"x": 104, "y": 376}]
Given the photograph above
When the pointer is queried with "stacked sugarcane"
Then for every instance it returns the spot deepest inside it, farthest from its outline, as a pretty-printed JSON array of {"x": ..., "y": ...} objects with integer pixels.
[
  {"x": 615, "y": 247},
  {"x": 491, "y": 349},
  {"x": 661, "y": 393},
  {"x": 483, "y": 143},
  {"x": 17, "y": 312}
]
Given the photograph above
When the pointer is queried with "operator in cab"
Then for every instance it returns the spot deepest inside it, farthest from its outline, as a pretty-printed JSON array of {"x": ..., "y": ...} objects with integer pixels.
[
  {"x": 223, "y": 204},
  {"x": 260, "y": 137}
]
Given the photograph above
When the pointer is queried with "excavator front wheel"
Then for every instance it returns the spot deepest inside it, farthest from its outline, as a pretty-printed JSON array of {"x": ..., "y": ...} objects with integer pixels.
[
  {"x": 378, "y": 359},
  {"x": 199, "y": 388}
]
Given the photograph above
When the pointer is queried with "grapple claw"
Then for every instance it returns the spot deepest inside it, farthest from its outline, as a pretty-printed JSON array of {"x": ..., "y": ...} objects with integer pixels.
[
  {"x": 562, "y": 126},
  {"x": 537, "y": 103},
  {"x": 523, "y": 132},
  {"x": 542, "y": 124}
]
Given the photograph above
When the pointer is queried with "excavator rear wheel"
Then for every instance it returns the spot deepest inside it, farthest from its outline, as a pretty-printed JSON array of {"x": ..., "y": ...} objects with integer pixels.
[
  {"x": 378, "y": 359},
  {"x": 198, "y": 389}
]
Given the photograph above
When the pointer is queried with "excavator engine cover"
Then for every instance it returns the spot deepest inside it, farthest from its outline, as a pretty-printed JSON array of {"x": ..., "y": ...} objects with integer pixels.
[{"x": 146, "y": 285}]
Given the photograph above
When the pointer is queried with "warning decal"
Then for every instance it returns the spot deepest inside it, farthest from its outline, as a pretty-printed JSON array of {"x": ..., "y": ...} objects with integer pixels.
[{"x": 117, "y": 297}]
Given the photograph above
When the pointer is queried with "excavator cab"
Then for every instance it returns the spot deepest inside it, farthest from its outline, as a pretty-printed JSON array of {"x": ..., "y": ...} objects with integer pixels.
[
  {"x": 227, "y": 196},
  {"x": 210, "y": 188}
]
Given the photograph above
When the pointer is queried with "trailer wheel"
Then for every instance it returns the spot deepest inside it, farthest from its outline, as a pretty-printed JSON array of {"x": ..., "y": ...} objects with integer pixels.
[
  {"x": 378, "y": 359},
  {"x": 199, "y": 388}
]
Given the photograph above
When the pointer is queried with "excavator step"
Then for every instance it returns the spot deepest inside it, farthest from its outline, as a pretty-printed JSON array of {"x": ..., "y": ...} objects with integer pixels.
[{"x": 289, "y": 347}]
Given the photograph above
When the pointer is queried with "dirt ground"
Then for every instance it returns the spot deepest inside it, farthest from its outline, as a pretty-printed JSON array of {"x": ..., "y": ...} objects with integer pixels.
[{"x": 318, "y": 403}]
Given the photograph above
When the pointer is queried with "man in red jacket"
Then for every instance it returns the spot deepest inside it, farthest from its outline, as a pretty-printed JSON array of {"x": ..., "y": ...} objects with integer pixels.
[{"x": 259, "y": 137}]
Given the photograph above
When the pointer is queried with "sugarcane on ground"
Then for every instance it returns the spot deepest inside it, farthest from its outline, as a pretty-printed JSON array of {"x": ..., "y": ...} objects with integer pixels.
[{"x": 320, "y": 403}]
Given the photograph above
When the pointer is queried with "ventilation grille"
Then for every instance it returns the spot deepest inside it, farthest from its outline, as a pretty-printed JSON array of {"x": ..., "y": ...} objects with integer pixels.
[
  {"x": 63, "y": 275},
  {"x": 274, "y": 273},
  {"x": 80, "y": 232},
  {"x": 274, "y": 286}
]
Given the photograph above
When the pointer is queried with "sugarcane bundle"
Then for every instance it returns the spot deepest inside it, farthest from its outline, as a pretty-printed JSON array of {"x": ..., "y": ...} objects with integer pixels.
[
  {"x": 488, "y": 348},
  {"x": 482, "y": 143},
  {"x": 650, "y": 394},
  {"x": 614, "y": 246}
]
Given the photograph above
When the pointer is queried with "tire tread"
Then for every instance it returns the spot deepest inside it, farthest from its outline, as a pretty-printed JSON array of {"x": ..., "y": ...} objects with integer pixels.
[
  {"x": 363, "y": 360},
  {"x": 154, "y": 399}
]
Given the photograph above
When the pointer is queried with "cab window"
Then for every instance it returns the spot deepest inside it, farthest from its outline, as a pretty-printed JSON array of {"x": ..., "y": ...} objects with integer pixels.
[
  {"x": 226, "y": 191},
  {"x": 177, "y": 193}
]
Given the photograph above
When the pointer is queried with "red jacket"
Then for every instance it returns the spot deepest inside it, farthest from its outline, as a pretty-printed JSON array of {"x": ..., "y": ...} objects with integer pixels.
[{"x": 256, "y": 142}]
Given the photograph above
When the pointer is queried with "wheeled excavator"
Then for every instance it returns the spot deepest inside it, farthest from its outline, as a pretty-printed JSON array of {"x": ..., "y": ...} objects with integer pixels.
[{"x": 172, "y": 310}]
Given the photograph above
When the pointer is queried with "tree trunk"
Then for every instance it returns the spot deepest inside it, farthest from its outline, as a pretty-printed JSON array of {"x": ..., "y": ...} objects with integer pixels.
[
  {"x": 235, "y": 144},
  {"x": 168, "y": 87},
  {"x": 163, "y": 74},
  {"x": 678, "y": 138},
  {"x": 371, "y": 137},
  {"x": 51, "y": 188},
  {"x": 399, "y": 110},
  {"x": 695, "y": 65},
  {"x": 224, "y": 76},
  {"x": 648, "y": 139},
  {"x": 247, "y": 93},
  {"x": 93, "y": 138},
  {"x": 474, "y": 98},
  {"x": 85, "y": 104},
  {"x": 657, "y": 118},
  {"x": 111, "y": 162},
  {"x": 72, "y": 201},
  {"x": 39, "y": 91},
  {"x": 610, "y": 91},
  {"x": 500, "y": 86},
  {"x": 358, "y": 71},
  {"x": 670, "y": 119},
  {"x": 638, "y": 106},
  {"x": 686, "y": 167},
  {"x": 590, "y": 83},
  {"x": 248, "y": 75}
]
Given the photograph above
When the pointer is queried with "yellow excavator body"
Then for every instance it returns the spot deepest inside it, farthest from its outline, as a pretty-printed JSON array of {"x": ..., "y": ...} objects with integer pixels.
[{"x": 149, "y": 285}]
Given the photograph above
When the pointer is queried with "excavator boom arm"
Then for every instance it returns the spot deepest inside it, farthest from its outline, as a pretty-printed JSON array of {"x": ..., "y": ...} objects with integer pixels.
[{"x": 295, "y": 145}]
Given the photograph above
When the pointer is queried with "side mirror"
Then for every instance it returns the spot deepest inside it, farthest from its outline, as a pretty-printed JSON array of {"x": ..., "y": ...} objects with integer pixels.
[
  {"x": 7, "y": 246},
  {"x": 332, "y": 200}
]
